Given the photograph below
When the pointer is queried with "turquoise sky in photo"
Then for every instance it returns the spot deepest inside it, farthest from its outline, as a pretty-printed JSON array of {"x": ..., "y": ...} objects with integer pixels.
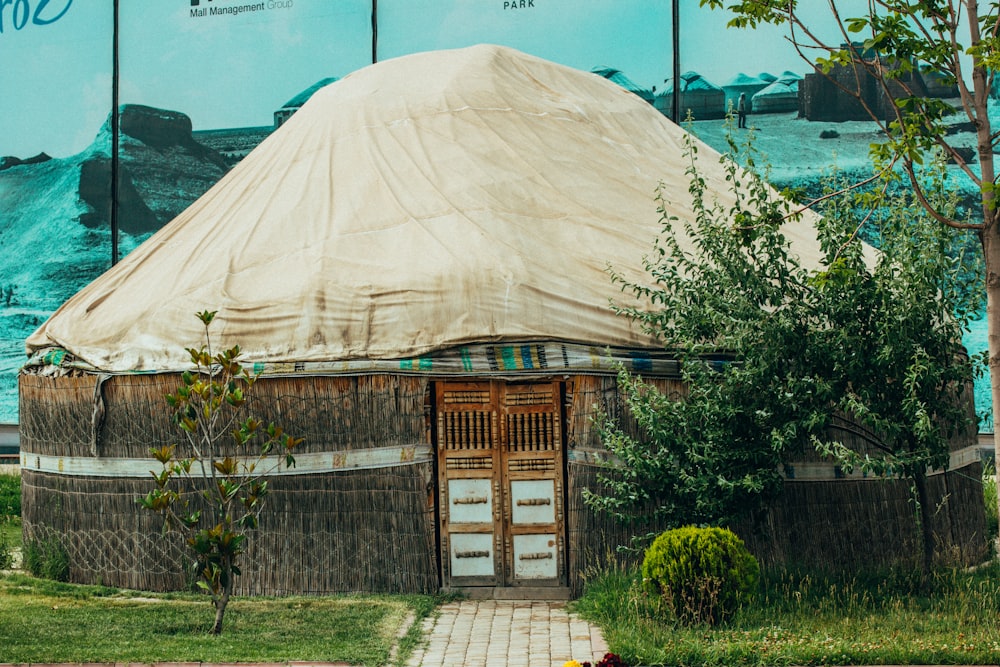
[
  {"x": 633, "y": 36},
  {"x": 234, "y": 69},
  {"x": 55, "y": 81}
]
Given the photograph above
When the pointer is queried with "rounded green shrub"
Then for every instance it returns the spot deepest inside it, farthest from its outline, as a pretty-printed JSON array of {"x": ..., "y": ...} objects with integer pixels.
[{"x": 702, "y": 574}]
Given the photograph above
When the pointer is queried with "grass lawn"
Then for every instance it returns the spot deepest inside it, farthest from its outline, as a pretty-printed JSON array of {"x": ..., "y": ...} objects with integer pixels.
[
  {"x": 10, "y": 530},
  {"x": 812, "y": 620},
  {"x": 44, "y": 621}
]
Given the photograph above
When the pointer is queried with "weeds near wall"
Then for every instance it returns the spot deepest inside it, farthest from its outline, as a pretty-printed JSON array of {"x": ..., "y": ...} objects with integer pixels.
[{"x": 46, "y": 557}]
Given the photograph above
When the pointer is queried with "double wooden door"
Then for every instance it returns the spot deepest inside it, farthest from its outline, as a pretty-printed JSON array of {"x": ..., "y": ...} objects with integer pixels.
[{"x": 501, "y": 483}]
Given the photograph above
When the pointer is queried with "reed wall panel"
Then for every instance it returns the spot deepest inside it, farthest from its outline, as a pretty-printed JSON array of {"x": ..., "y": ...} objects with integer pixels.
[
  {"x": 870, "y": 523},
  {"x": 129, "y": 413},
  {"x": 840, "y": 523},
  {"x": 56, "y": 414},
  {"x": 349, "y": 530}
]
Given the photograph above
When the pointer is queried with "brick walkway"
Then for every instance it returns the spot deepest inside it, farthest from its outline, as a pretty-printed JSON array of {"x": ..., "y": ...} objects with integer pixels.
[{"x": 476, "y": 633}]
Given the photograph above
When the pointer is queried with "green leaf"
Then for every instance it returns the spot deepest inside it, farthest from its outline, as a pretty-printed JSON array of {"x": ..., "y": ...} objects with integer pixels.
[{"x": 164, "y": 454}]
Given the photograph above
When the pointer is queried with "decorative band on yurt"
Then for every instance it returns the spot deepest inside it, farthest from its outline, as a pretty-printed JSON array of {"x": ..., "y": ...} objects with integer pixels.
[
  {"x": 538, "y": 358},
  {"x": 305, "y": 463}
]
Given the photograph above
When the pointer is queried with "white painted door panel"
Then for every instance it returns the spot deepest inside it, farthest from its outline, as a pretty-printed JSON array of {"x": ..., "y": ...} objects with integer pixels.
[
  {"x": 535, "y": 557},
  {"x": 472, "y": 555},
  {"x": 533, "y": 502},
  {"x": 471, "y": 500}
]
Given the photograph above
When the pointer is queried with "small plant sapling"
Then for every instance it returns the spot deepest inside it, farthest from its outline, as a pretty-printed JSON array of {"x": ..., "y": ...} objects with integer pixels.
[{"x": 213, "y": 491}]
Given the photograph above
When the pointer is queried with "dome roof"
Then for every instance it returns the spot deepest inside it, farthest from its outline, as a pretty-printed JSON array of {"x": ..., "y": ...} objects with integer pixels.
[
  {"x": 617, "y": 76},
  {"x": 420, "y": 204},
  {"x": 303, "y": 97}
]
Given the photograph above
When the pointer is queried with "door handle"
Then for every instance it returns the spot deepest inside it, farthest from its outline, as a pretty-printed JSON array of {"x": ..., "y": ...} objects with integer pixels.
[
  {"x": 534, "y": 501},
  {"x": 542, "y": 555},
  {"x": 478, "y": 500},
  {"x": 472, "y": 554}
]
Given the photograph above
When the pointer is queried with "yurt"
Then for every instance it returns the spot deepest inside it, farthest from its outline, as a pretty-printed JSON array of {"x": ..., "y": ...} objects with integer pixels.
[
  {"x": 416, "y": 264},
  {"x": 779, "y": 96},
  {"x": 742, "y": 84},
  {"x": 294, "y": 104},
  {"x": 700, "y": 97},
  {"x": 617, "y": 76}
]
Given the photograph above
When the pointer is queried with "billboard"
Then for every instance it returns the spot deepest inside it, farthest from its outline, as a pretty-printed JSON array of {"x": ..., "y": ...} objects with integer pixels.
[
  {"x": 200, "y": 83},
  {"x": 55, "y": 179}
]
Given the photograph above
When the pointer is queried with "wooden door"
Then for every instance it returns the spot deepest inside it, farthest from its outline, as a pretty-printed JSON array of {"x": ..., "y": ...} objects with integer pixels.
[
  {"x": 501, "y": 483},
  {"x": 531, "y": 458}
]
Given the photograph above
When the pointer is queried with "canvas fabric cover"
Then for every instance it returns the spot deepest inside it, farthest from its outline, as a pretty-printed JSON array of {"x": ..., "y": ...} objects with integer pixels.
[{"x": 436, "y": 200}]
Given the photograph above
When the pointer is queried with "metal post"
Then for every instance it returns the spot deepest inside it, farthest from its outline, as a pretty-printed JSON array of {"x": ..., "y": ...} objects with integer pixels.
[
  {"x": 374, "y": 31},
  {"x": 676, "y": 29},
  {"x": 114, "y": 137}
]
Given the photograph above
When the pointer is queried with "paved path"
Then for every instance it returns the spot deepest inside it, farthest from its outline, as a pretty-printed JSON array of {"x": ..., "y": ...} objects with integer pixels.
[{"x": 477, "y": 633}]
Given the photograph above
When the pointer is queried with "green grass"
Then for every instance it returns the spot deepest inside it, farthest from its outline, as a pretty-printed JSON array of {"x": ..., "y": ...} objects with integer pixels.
[
  {"x": 10, "y": 495},
  {"x": 10, "y": 530},
  {"x": 800, "y": 619},
  {"x": 990, "y": 498},
  {"x": 45, "y": 621},
  {"x": 10, "y": 517}
]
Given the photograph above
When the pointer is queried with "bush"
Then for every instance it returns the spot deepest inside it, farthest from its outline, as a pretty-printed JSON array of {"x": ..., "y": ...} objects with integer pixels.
[
  {"x": 702, "y": 574},
  {"x": 46, "y": 558}
]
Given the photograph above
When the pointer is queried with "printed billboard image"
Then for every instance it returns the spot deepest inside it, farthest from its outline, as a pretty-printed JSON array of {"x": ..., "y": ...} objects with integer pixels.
[
  {"x": 803, "y": 125},
  {"x": 629, "y": 42},
  {"x": 55, "y": 177},
  {"x": 199, "y": 84}
]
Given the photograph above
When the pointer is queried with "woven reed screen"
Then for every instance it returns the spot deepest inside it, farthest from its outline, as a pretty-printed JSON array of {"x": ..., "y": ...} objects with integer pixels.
[
  {"x": 837, "y": 523},
  {"x": 349, "y": 530}
]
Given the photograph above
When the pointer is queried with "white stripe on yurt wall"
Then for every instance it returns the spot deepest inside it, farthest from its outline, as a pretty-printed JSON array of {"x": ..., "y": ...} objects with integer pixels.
[
  {"x": 305, "y": 464},
  {"x": 812, "y": 471}
]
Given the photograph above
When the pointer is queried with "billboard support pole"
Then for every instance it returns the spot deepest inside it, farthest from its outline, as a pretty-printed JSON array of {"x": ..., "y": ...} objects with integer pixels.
[
  {"x": 374, "y": 31},
  {"x": 114, "y": 138},
  {"x": 676, "y": 29}
]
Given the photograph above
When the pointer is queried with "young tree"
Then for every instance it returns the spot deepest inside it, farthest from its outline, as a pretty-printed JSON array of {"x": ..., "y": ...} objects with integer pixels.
[
  {"x": 885, "y": 41},
  {"x": 213, "y": 492},
  {"x": 732, "y": 309},
  {"x": 772, "y": 351}
]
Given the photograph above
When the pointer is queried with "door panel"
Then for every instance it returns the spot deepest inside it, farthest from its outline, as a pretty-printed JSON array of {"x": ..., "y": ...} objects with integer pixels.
[
  {"x": 501, "y": 483},
  {"x": 469, "y": 484},
  {"x": 472, "y": 555},
  {"x": 531, "y": 456},
  {"x": 535, "y": 557},
  {"x": 471, "y": 500},
  {"x": 532, "y": 501}
]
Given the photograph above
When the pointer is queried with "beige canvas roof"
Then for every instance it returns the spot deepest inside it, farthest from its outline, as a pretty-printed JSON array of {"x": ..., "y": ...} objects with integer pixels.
[{"x": 434, "y": 200}]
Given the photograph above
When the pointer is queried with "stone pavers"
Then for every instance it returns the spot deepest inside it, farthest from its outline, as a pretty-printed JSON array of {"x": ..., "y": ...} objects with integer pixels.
[{"x": 476, "y": 633}]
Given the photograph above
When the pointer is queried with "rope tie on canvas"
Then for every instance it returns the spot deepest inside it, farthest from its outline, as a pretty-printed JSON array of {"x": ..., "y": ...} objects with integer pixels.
[{"x": 97, "y": 416}]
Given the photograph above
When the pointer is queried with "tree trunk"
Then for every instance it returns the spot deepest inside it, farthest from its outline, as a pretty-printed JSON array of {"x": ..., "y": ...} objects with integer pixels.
[
  {"x": 926, "y": 530},
  {"x": 223, "y": 601},
  {"x": 991, "y": 255},
  {"x": 990, "y": 235}
]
